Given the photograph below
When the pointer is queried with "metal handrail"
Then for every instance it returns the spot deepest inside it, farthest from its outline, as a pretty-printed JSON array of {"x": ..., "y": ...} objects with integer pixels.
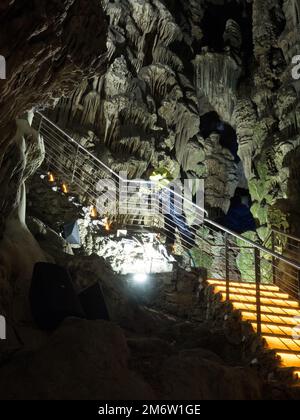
[
  {"x": 254, "y": 244},
  {"x": 223, "y": 229},
  {"x": 208, "y": 221},
  {"x": 287, "y": 235},
  {"x": 60, "y": 147},
  {"x": 113, "y": 172}
]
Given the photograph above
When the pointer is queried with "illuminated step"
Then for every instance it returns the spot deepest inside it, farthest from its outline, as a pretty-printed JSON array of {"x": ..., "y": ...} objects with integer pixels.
[
  {"x": 252, "y": 292},
  {"x": 285, "y": 303},
  {"x": 280, "y": 317},
  {"x": 275, "y": 310},
  {"x": 279, "y": 320},
  {"x": 243, "y": 285},
  {"x": 277, "y": 330},
  {"x": 297, "y": 373},
  {"x": 289, "y": 360},
  {"x": 283, "y": 344}
]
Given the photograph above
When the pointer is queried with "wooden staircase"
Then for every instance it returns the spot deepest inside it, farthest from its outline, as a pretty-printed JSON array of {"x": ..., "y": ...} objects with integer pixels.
[{"x": 280, "y": 317}]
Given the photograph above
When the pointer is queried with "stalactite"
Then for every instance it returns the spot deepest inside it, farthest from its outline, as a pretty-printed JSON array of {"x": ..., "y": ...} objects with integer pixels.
[{"x": 217, "y": 77}]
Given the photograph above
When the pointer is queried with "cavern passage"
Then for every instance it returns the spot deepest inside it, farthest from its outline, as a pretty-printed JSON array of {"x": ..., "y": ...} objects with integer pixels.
[{"x": 117, "y": 283}]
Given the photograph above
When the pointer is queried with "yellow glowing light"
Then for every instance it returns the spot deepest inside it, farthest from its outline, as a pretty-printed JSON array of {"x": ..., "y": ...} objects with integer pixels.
[
  {"x": 51, "y": 177},
  {"x": 289, "y": 360},
  {"x": 64, "y": 188},
  {"x": 279, "y": 316},
  {"x": 297, "y": 374},
  {"x": 107, "y": 224},
  {"x": 94, "y": 212},
  {"x": 161, "y": 176}
]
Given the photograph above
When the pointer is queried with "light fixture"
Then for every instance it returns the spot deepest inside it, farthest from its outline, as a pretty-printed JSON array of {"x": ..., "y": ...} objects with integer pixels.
[
  {"x": 121, "y": 233},
  {"x": 140, "y": 277},
  {"x": 64, "y": 188},
  {"x": 107, "y": 224},
  {"x": 94, "y": 212},
  {"x": 51, "y": 177}
]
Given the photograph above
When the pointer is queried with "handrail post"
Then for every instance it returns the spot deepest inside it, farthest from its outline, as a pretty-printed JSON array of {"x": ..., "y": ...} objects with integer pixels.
[
  {"x": 40, "y": 124},
  {"x": 75, "y": 164},
  {"x": 45, "y": 123},
  {"x": 227, "y": 274},
  {"x": 258, "y": 283},
  {"x": 273, "y": 258}
]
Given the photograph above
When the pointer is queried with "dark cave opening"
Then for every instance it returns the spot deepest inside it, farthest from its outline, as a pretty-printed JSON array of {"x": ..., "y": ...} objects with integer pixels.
[
  {"x": 278, "y": 18},
  {"x": 211, "y": 123},
  {"x": 214, "y": 22},
  {"x": 239, "y": 218}
]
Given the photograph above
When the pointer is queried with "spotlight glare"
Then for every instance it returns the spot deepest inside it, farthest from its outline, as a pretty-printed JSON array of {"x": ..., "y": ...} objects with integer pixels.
[{"x": 140, "y": 277}]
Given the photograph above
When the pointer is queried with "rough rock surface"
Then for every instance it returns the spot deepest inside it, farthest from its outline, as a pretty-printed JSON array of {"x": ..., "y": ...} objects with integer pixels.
[
  {"x": 109, "y": 369},
  {"x": 54, "y": 47},
  {"x": 142, "y": 353},
  {"x": 48, "y": 49},
  {"x": 167, "y": 70},
  {"x": 143, "y": 114},
  {"x": 99, "y": 348}
]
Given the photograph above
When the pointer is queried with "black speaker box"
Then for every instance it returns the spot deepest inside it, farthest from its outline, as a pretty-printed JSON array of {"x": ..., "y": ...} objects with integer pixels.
[
  {"x": 93, "y": 303},
  {"x": 52, "y": 296}
]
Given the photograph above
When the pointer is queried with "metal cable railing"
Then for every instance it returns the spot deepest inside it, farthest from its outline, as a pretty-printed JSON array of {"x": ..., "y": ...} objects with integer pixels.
[
  {"x": 283, "y": 243},
  {"x": 225, "y": 254}
]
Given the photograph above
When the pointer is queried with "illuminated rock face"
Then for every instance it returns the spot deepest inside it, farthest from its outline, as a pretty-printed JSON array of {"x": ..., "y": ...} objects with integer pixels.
[
  {"x": 168, "y": 64},
  {"x": 144, "y": 111},
  {"x": 47, "y": 50},
  {"x": 222, "y": 179},
  {"x": 167, "y": 67}
]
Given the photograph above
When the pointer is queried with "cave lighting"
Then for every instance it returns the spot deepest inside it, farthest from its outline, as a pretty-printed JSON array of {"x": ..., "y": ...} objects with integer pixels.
[
  {"x": 140, "y": 278},
  {"x": 64, "y": 188},
  {"x": 51, "y": 177},
  {"x": 107, "y": 224},
  {"x": 94, "y": 212}
]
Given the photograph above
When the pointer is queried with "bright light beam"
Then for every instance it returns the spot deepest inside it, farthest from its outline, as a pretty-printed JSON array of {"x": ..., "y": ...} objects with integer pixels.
[{"x": 140, "y": 278}]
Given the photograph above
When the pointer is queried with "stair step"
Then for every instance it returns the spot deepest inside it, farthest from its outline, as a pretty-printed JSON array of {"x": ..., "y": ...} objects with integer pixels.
[
  {"x": 271, "y": 310},
  {"x": 242, "y": 285},
  {"x": 297, "y": 374},
  {"x": 252, "y": 292},
  {"x": 289, "y": 359},
  {"x": 279, "y": 320},
  {"x": 282, "y": 331},
  {"x": 279, "y": 315},
  {"x": 282, "y": 303},
  {"x": 283, "y": 344}
]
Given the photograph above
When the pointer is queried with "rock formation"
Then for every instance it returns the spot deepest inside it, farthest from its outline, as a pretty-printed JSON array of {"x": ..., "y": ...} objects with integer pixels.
[
  {"x": 47, "y": 49},
  {"x": 202, "y": 89}
]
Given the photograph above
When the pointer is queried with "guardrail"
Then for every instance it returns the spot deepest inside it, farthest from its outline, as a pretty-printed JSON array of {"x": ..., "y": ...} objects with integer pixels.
[{"x": 225, "y": 254}]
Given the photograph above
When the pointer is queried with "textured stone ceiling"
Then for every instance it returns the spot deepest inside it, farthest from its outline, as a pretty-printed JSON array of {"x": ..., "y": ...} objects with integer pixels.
[
  {"x": 49, "y": 47},
  {"x": 168, "y": 64},
  {"x": 171, "y": 63},
  {"x": 145, "y": 84}
]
